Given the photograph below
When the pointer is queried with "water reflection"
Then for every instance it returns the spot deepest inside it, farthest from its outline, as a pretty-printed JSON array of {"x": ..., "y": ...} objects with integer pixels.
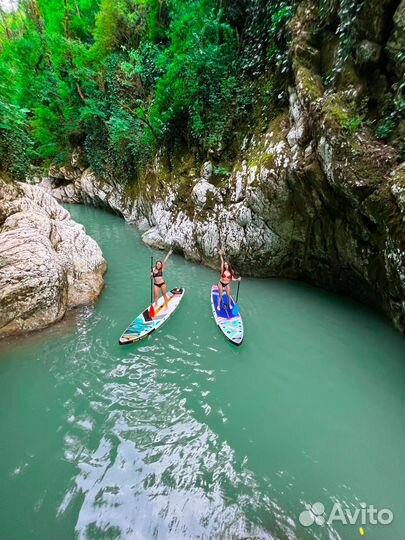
[{"x": 156, "y": 469}]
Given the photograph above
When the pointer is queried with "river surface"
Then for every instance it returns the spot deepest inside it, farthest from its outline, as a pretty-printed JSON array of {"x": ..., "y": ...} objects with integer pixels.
[{"x": 186, "y": 436}]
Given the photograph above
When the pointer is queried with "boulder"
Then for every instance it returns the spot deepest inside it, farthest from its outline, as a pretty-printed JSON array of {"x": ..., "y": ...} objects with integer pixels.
[
  {"x": 206, "y": 171},
  {"x": 202, "y": 191},
  {"x": 47, "y": 261}
]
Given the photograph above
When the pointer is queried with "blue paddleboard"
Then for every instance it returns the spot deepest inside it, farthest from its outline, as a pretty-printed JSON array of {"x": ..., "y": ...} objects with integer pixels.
[{"x": 228, "y": 320}]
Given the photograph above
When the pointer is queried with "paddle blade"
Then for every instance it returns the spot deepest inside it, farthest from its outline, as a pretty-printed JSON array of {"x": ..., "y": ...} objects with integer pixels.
[{"x": 151, "y": 311}]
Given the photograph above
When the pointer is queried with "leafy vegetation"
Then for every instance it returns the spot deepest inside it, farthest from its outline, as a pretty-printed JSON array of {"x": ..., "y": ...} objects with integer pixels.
[
  {"x": 127, "y": 78},
  {"x": 347, "y": 12},
  {"x": 384, "y": 129},
  {"x": 353, "y": 124},
  {"x": 387, "y": 125}
]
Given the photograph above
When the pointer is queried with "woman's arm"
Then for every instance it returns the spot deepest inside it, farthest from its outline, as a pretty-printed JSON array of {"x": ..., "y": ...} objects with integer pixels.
[
  {"x": 167, "y": 258},
  {"x": 236, "y": 278}
]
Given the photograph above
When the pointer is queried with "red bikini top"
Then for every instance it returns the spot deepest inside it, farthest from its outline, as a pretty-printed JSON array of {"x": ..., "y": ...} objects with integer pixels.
[{"x": 226, "y": 277}]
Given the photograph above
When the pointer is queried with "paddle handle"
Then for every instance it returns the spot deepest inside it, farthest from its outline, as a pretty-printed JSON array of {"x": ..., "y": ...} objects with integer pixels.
[{"x": 237, "y": 294}]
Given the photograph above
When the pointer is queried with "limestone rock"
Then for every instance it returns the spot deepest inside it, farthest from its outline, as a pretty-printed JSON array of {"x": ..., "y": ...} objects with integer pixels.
[
  {"x": 78, "y": 160},
  {"x": 202, "y": 190},
  {"x": 206, "y": 170},
  {"x": 47, "y": 262},
  {"x": 55, "y": 172},
  {"x": 69, "y": 173}
]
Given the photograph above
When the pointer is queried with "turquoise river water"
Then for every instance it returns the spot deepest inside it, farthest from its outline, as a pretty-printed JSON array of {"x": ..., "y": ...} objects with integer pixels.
[{"x": 185, "y": 436}]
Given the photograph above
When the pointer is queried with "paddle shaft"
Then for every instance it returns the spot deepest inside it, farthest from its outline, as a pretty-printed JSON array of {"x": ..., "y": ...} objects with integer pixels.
[
  {"x": 237, "y": 294},
  {"x": 151, "y": 280}
]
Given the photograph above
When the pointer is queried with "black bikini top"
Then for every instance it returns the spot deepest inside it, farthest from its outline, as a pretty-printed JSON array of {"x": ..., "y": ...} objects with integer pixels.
[{"x": 158, "y": 273}]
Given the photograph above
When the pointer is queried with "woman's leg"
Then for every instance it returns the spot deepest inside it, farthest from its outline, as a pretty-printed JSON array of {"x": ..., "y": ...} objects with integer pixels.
[
  {"x": 220, "y": 293},
  {"x": 164, "y": 291},
  {"x": 156, "y": 292},
  {"x": 228, "y": 294}
]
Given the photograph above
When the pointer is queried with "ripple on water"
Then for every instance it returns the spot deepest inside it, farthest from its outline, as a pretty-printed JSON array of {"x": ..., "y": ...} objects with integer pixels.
[
  {"x": 156, "y": 469},
  {"x": 183, "y": 436}
]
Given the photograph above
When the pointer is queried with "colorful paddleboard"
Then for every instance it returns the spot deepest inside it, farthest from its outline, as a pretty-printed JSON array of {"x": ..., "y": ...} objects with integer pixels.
[
  {"x": 144, "y": 324},
  {"x": 228, "y": 320}
]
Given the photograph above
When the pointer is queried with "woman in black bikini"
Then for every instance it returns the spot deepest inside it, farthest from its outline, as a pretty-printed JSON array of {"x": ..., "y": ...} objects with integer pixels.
[
  {"x": 158, "y": 281},
  {"x": 227, "y": 275}
]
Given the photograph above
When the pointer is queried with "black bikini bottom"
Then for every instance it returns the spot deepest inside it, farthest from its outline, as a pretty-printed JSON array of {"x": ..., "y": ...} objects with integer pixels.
[
  {"x": 159, "y": 284},
  {"x": 224, "y": 284}
]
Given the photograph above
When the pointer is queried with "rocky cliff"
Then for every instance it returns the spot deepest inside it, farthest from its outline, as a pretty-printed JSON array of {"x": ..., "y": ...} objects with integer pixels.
[
  {"x": 47, "y": 262},
  {"x": 316, "y": 196}
]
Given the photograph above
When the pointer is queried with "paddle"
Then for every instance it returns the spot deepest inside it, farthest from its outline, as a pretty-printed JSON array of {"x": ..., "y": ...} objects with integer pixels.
[
  {"x": 151, "y": 309},
  {"x": 219, "y": 248},
  {"x": 237, "y": 294}
]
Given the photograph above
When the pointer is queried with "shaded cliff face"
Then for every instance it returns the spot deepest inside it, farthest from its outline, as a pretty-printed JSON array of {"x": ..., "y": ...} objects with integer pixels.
[
  {"x": 47, "y": 262},
  {"x": 317, "y": 196}
]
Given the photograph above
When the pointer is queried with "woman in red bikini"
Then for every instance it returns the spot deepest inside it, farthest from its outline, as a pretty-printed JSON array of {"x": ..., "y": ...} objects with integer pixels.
[
  {"x": 158, "y": 281},
  {"x": 227, "y": 275}
]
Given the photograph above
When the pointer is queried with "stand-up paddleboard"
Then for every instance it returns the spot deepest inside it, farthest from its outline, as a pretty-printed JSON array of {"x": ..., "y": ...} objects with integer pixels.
[
  {"x": 144, "y": 324},
  {"x": 228, "y": 320}
]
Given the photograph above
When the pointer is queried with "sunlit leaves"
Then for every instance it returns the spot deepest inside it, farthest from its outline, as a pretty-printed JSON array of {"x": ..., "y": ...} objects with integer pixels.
[{"x": 126, "y": 77}]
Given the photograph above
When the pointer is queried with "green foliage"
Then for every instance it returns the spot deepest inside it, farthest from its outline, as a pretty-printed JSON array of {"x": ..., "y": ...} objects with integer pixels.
[
  {"x": 125, "y": 77},
  {"x": 347, "y": 11},
  {"x": 222, "y": 171},
  {"x": 385, "y": 128},
  {"x": 37, "y": 61},
  {"x": 15, "y": 145},
  {"x": 342, "y": 113},
  {"x": 352, "y": 125},
  {"x": 265, "y": 35},
  {"x": 198, "y": 85},
  {"x": 394, "y": 115}
]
